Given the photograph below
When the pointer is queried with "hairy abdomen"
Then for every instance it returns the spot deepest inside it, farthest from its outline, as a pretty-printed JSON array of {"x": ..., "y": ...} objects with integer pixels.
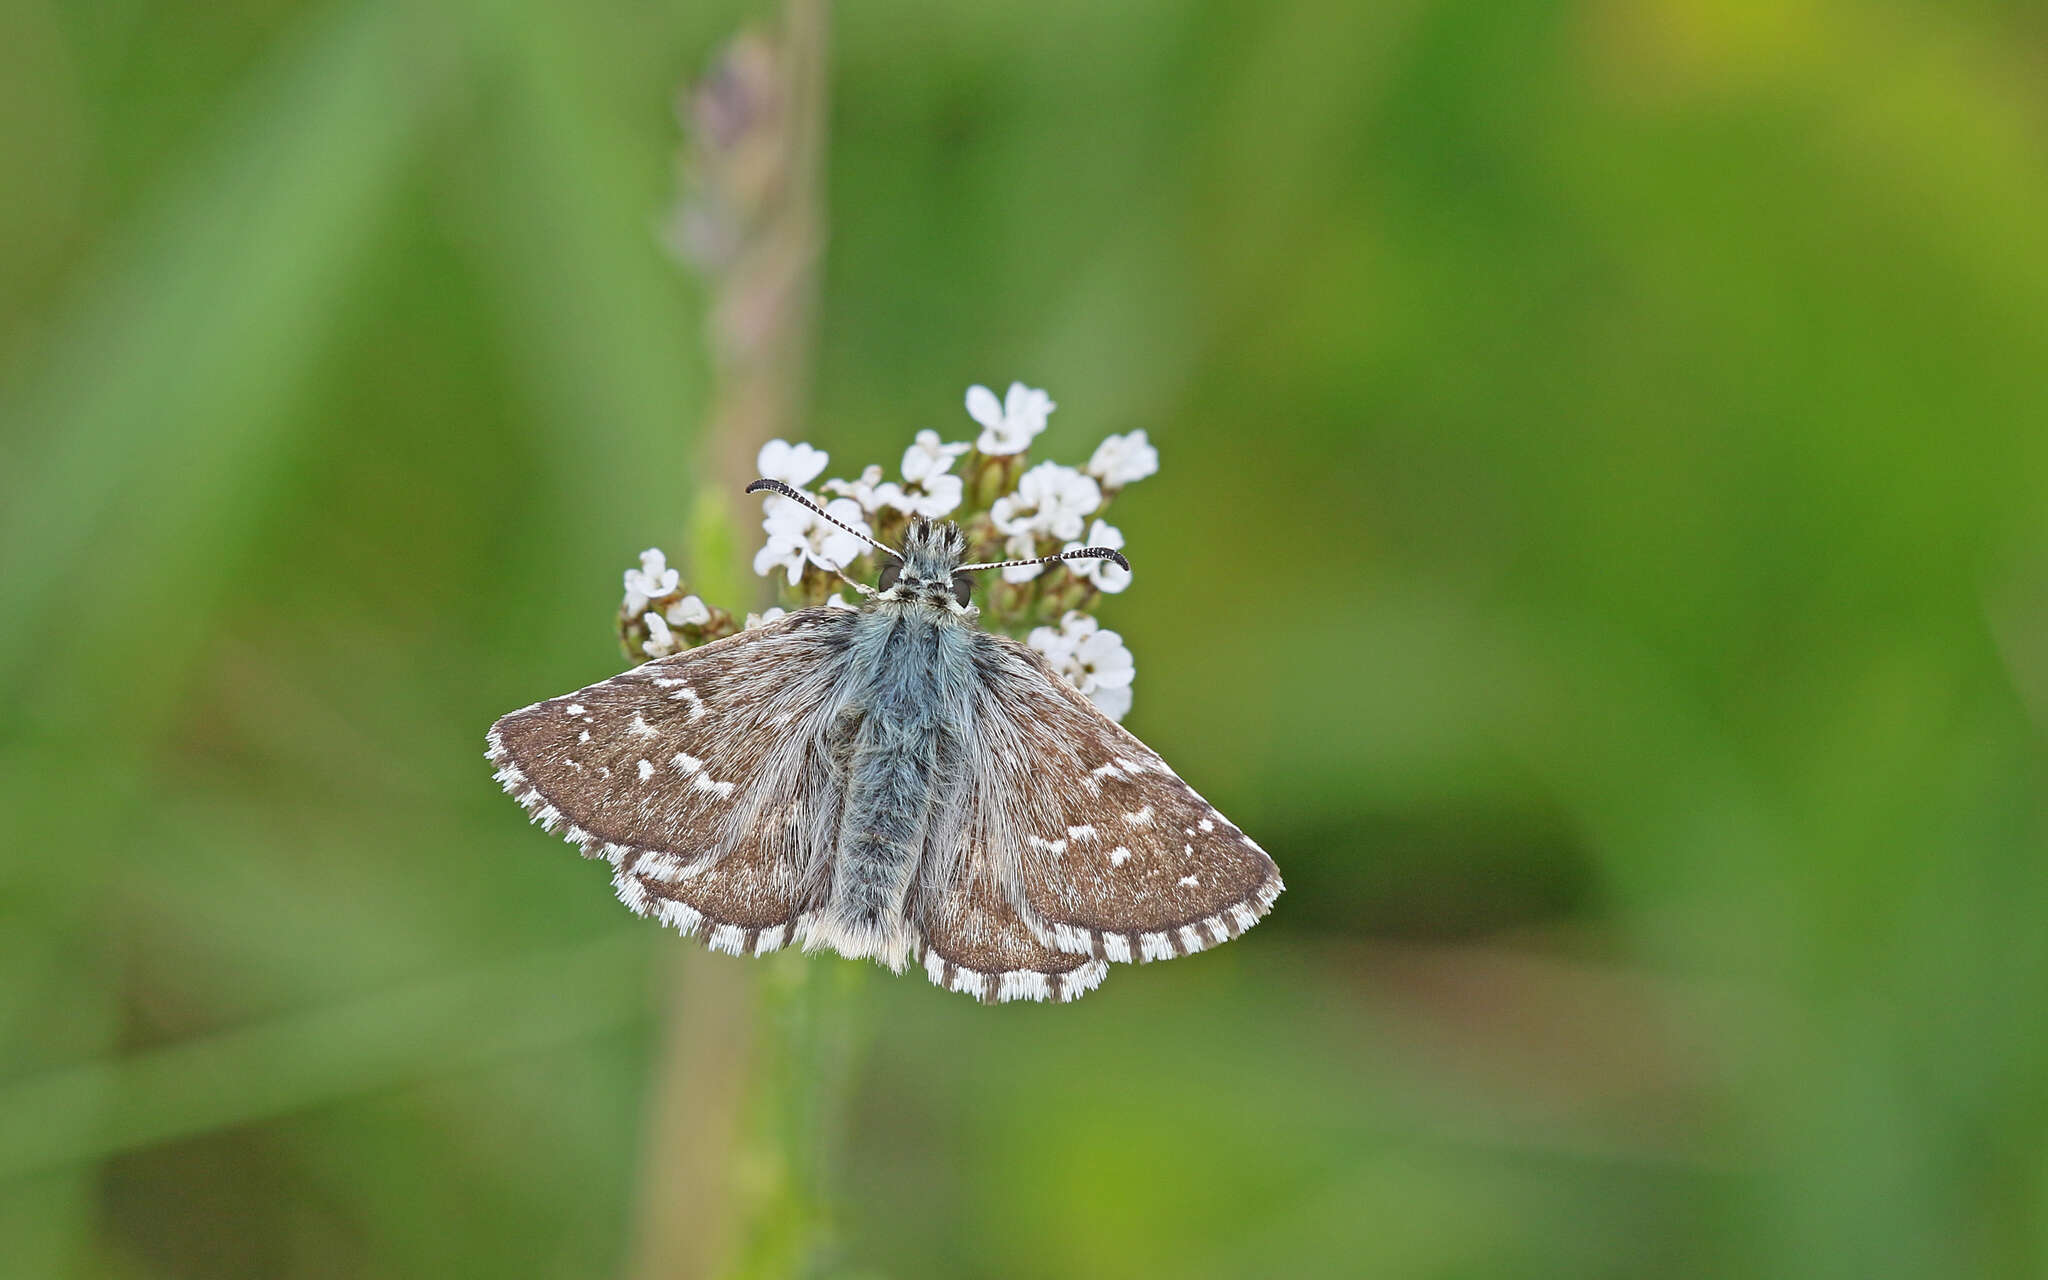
[{"x": 905, "y": 735}]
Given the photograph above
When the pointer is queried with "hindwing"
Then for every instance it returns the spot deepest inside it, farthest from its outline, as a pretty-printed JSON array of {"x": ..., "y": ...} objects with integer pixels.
[{"x": 975, "y": 941}]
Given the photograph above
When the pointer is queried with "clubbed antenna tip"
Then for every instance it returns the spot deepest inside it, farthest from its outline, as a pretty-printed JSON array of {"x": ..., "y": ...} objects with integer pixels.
[{"x": 1078, "y": 553}]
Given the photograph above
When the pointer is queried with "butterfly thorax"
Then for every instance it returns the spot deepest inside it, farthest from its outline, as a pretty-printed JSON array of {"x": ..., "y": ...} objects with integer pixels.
[{"x": 928, "y": 573}]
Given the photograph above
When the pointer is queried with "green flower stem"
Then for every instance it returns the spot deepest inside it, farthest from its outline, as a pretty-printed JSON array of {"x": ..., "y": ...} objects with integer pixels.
[
  {"x": 751, "y": 1083},
  {"x": 807, "y": 1039}
]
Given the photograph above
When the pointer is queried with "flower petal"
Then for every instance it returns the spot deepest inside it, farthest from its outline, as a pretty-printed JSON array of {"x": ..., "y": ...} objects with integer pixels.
[
  {"x": 1113, "y": 701},
  {"x": 983, "y": 407}
]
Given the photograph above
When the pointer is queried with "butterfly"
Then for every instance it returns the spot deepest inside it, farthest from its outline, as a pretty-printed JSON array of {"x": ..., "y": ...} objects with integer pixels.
[{"x": 889, "y": 782}]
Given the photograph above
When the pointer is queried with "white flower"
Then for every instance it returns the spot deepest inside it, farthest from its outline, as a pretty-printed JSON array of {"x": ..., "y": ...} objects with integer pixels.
[
  {"x": 796, "y": 465},
  {"x": 1112, "y": 700},
  {"x": 1107, "y": 575},
  {"x": 869, "y": 490},
  {"x": 1050, "y": 499},
  {"x": 798, "y": 536},
  {"x": 837, "y": 601},
  {"x": 932, "y": 497},
  {"x": 651, "y": 581},
  {"x": 1091, "y": 659},
  {"x": 660, "y": 642},
  {"x": 1021, "y": 546},
  {"x": 781, "y": 553},
  {"x": 1010, "y": 426},
  {"x": 928, "y": 457},
  {"x": 1121, "y": 459},
  {"x": 758, "y": 620},
  {"x": 690, "y": 611}
]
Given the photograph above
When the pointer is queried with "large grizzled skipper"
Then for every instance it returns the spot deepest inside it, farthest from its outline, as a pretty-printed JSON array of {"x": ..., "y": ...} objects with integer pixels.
[{"x": 892, "y": 782}]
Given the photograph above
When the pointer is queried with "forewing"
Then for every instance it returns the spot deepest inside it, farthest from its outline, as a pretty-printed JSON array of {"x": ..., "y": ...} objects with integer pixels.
[
  {"x": 702, "y": 778},
  {"x": 1114, "y": 855}
]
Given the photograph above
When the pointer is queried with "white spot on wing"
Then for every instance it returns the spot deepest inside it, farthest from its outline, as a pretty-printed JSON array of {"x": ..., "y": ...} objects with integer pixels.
[
  {"x": 658, "y": 865},
  {"x": 1189, "y": 882},
  {"x": 1118, "y": 856},
  {"x": 685, "y": 762},
  {"x": 1082, "y": 832},
  {"x": 703, "y": 782},
  {"x": 696, "y": 703},
  {"x": 576, "y": 709},
  {"x": 729, "y": 938},
  {"x": 646, "y": 770},
  {"x": 679, "y": 916},
  {"x": 631, "y": 892},
  {"x": 1139, "y": 817},
  {"x": 1024, "y": 984},
  {"x": 640, "y": 727}
]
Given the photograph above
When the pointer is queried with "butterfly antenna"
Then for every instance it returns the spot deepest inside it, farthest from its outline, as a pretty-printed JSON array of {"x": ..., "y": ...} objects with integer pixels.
[
  {"x": 1078, "y": 553},
  {"x": 798, "y": 495}
]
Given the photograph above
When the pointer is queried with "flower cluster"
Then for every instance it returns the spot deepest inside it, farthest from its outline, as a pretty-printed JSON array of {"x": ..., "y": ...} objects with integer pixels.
[
  {"x": 658, "y": 618},
  {"x": 1092, "y": 660},
  {"x": 1010, "y": 510}
]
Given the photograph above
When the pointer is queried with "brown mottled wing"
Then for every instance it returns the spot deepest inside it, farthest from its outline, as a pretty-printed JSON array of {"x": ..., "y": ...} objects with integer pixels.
[
  {"x": 702, "y": 778},
  {"x": 1115, "y": 856},
  {"x": 973, "y": 940}
]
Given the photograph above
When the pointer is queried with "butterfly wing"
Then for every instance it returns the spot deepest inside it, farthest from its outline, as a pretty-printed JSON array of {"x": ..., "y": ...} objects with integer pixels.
[
  {"x": 705, "y": 779},
  {"x": 1109, "y": 853},
  {"x": 974, "y": 940}
]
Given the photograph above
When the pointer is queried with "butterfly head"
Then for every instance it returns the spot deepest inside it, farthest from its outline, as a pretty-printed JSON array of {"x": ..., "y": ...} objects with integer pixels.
[{"x": 930, "y": 568}]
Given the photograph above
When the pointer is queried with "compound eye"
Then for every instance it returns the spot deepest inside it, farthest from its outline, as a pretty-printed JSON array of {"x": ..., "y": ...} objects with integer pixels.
[
  {"x": 963, "y": 588},
  {"x": 890, "y": 572}
]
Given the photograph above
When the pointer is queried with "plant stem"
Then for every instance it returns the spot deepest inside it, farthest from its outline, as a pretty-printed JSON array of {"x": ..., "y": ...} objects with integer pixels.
[
  {"x": 807, "y": 1039},
  {"x": 750, "y": 1086}
]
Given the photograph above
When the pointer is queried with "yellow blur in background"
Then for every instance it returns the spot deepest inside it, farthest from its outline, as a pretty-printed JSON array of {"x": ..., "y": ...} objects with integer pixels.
[{"x": 1599, "y": 549}]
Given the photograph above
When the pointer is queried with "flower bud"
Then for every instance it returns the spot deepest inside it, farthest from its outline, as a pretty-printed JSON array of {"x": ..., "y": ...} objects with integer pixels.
[
  {"x": 989, "y": 478},
  {"x": 1010, "y": 602}
]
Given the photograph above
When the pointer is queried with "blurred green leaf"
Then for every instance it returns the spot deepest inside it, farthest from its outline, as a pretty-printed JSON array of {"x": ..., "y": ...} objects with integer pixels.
[{"x": 1599, "y": 533}]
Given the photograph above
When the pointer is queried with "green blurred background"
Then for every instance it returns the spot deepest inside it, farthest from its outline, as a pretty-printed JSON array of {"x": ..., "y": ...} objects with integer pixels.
[{"x": 1600, "y": 551}]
